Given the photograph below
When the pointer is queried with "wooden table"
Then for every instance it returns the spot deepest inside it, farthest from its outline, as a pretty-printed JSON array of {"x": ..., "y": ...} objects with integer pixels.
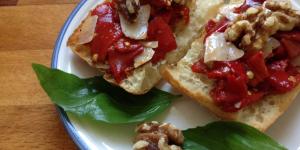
[{"x": 28, "y": 30}]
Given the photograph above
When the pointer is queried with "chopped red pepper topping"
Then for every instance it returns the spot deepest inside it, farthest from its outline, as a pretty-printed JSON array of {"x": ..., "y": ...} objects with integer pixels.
[
  {"x": 245, "y": 81},
  {"x": 108, "y": 30},
  {"x": 180, "y": 12},
  {"x": 221, "y": 69},
  {"x": 292, "y": 47},
  {"x": 279, "y": 80},
  {"x": 257, "y": 65},
  {"x": 200, "y": 67},
  {"x": 111, "y": 45},
  {"x": 212, "y": 26},
  {"x": 280, "y": 65},
  {"x": 121, "y": 61},
  {"x": 160, "y": 31},
  {"x": 235, "y": 89},
  {"x": 231, "y": 85},
  {"x": 279, "y": 52},
  {"x": 291, "y": 35},
  {"x": 125, "y": 45}
]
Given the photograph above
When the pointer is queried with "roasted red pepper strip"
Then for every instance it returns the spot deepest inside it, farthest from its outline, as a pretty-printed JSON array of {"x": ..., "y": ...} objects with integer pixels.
[
  {"x": 213, "y": 26},
  {"x": 251, "y": 98},
  {"x": 125, "y": 45},
  {"x": 108, "y": 30},
  {"x": 200, "y": 67},
  {"x": 231, "y": 86},
  {"x": 121, "y": 62},
  {"x": 280, "y": 65},
  {"x": 280, "y": 52},
  {"x": 257, "y": 65},
  {"x": 247, "y": 4},
  {"x": 280, "y": 82},
  {"x": 292, "y": 35},
  {"x": 221, "y": 70},
  {"x": 292, "y": 47},
  {"x": 160, "y": 31},
  {"x": 281, "y": 78}
]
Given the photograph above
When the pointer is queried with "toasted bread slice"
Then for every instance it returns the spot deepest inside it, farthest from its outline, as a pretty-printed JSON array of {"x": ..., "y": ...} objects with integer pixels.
[
  {"x": 259, "y": 115},
  {"x": 147, "y": 76}
]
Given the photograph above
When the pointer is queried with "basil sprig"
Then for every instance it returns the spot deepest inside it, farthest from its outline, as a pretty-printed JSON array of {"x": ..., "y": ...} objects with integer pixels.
[
  {"x": 96, "y": 99},
  {"x": 228, "y": 136}
]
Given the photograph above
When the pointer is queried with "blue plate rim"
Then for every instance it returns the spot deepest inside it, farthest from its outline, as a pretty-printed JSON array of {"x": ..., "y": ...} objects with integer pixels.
[{"x": 62, "y": 114}]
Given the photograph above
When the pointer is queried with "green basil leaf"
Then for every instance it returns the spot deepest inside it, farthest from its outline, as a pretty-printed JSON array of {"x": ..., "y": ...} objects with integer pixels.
[
  {"x": 224, "y": 135},
  {"x": 94, "y": 98}
]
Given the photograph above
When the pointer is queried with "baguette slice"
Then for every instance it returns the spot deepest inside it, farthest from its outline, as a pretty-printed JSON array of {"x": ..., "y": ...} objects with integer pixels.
[
  {"x": 259, "y": 115},
  {"x": 147, "y": 76}
]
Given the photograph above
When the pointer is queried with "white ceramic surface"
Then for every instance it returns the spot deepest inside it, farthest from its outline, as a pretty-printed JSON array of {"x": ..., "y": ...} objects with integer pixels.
[{"x": 184, "y": 113}]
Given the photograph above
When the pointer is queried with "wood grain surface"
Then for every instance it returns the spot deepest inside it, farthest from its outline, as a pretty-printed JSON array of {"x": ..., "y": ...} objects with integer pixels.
[{"x": 28, "y": 120}]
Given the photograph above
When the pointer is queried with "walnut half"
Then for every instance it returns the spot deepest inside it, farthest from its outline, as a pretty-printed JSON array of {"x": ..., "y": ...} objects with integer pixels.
[
  {"x": 254, "y": 27},
  {"x": 155, "y": 136}
]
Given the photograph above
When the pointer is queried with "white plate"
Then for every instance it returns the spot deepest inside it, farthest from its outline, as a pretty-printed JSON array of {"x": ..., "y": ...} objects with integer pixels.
[{"x": 184, "y": 113}]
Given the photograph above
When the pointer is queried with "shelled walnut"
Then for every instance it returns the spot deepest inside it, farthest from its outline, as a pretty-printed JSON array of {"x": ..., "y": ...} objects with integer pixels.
[
  {"x": 155, "y": 136},
  {"x": 258, "y": 24}
]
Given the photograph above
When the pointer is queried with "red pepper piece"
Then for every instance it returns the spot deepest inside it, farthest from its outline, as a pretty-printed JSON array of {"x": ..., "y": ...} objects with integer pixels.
[
  {"x": 280, "y": 65},
  {"x": 108, "y": 30},
  {"x": 221, "y": 96},
  {"x": 229, "y": 92},
  {"x": 221, "y": 70},
  {"x": 247, "y": 4},
  {"x": 181, "y": 11},
  {"x": 280, "y": 52},
  {"x": 231, "y": 85},
  {"x": 166, "y": 16},
  {"x": 257, "y": 65},
  {"x": 280, "y": 82},
  {"x": 159, "y": 3},
  {"x": 291, "y": 35},
  {"x": 213, "y": 26},
  {"x": 252, "y": 98},
  {"x": 242, "y": 8},
  {"x": 120, "y": 63},
  {"x": 292, "y": 70},
  {"x": 160, "y": 31},
  {"x": 292, "y": 47},
  {"x": 125, "y": 45},
  {"x": 236, "y": 85},
  {"x": 200, "y": 67}
]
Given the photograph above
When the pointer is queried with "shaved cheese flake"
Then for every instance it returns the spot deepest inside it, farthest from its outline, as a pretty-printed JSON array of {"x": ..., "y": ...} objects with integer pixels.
[
  {"x": 138, "y": 29},
  {"x": 151, "y": 44},
  {"x": 87, "y": 31},
  {"x": 144, "y": 57},
  {"x": 228, "y": 11},
  {"x": 271, "y": 44},
  {"x": 217, "y": 49}
]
